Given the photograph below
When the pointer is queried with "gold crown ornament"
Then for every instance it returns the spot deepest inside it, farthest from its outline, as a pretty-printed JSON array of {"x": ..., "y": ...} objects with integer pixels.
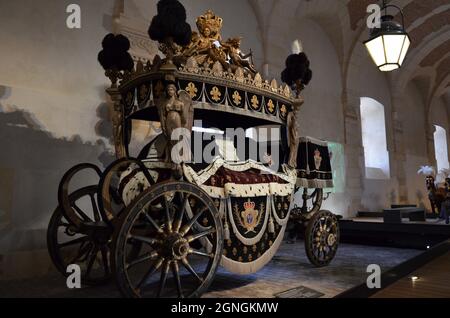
[{"x": 210, "y": 21}]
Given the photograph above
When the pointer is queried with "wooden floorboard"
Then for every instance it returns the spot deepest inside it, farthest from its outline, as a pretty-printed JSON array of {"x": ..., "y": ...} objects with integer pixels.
[
  {"x": 433, "y": 282},
  {"x": 432, "y": 268}
]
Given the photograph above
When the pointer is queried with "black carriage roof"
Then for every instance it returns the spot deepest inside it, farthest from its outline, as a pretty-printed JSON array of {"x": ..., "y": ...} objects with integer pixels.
[{"x": 221, "y": 99}]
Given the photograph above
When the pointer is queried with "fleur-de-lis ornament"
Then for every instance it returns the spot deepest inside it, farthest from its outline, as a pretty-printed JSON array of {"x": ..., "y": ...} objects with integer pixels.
[
  {"x": 270, "y": 106},
  {"x": 192, "y": 90},
  {"x": 237, "y": 98},
  {"x": 216, "y": 94},
  {"x": 255, "y": 102},
  {"x": 283, "y": 110}
]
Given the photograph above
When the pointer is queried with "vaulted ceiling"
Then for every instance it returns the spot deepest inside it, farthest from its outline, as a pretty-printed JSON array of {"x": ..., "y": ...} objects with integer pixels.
[{"x": 427, "y": 22}]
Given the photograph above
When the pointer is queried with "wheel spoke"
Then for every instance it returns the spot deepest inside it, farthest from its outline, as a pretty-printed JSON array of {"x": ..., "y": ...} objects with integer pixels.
[
  {"x": 194, "y": 237},
  {"x": 152, "y": 222},
  {"x": 148, "y": 240},
  {"x": 176, "y": 275},
  {"x": 150, "y": 272},
  {"x": 178, "y": 220},
  {"x": 73, "y": 242},
  {"x": 200, "y": 253},
  {"x": 91, "y": 261},
  {"x": 94, "y": 208},
  {"x": 143, "y": 258},
  {"x": 318, "y": 251},
  {"x": 188, "y": 226},
  {"x": 163, "y": 280},
  {"x": 81, "y": 213},
  {"x": 322, "y": 224},
  {"x": 168, "y": 220},
  {"x": 83, "y": 250},
  {"x": 191, "y": 270}
]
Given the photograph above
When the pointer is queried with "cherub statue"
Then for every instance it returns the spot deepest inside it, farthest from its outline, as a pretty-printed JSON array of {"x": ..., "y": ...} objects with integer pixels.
[
  {"x": 175, "y": 111},
  {"x": 233, "y": 48},
  {"x": 203, "y": 44},
  {"x": 203, "y": 47},
  {"x": 293, "y": 133}
]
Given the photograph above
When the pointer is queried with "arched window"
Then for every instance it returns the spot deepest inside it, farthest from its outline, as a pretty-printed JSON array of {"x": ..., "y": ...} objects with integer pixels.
[
  {"x": 440, "y": 148},
  {"x": 374, "y": 139}
]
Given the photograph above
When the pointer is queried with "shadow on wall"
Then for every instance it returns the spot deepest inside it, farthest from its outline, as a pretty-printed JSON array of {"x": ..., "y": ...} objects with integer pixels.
[
  {"x": 32, "y": 163},
  {"x": 103, "y": 128}
]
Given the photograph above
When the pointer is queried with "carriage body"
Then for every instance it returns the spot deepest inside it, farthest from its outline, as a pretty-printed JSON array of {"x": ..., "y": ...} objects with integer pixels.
[
  {"x": 254, "y": 199},
  {"x": 232, "y": 210}
]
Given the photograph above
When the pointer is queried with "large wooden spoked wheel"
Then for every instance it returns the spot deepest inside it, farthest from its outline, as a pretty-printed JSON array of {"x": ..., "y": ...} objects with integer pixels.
[
  {"x": 64, "y": 195},
  {"x": 177, "y": 259},
  {"x": 111, "y": 203},
  {"x": 86, "y": 245},
  {"x": 322, "y": 238}
]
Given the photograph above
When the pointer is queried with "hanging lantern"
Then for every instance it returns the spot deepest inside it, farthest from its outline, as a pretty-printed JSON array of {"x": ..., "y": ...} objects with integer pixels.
[{"x": 388, "y": 44}]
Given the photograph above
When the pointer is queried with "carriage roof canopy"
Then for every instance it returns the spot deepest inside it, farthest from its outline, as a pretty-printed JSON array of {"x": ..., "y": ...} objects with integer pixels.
[{"x": 225, "y": 88}]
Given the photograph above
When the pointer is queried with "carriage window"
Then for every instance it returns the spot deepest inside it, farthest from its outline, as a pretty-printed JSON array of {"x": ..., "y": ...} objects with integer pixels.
[
  {"x": 263, "y": 133},
  {"x": 374, "y": 139},
  {"x": 440, "y": 148},
  {"x": 208, "y": 130},
  {"x": 338, "y": 167}
]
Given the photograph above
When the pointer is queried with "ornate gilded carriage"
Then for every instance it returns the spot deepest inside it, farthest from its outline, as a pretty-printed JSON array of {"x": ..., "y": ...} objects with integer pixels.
[{"x": 182, "y": 218}]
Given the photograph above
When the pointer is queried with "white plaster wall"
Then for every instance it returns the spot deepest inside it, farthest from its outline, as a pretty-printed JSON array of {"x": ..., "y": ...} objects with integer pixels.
[
  {"x": 414, "y": 136},
  {"x": 414, "y": 122},
  {"x": 439, "y": 117},
  {"x": 364, "y": 80},
  {"x": 53, "y": 70},
  {"x": 438, "y": 113},
  {"x": 52, "y": 116},
  {"x": 321, "y": 115}
]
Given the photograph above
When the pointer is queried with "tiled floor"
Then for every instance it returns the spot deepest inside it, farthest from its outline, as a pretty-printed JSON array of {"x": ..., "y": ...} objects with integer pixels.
[{"x": 289, "y": 269}]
